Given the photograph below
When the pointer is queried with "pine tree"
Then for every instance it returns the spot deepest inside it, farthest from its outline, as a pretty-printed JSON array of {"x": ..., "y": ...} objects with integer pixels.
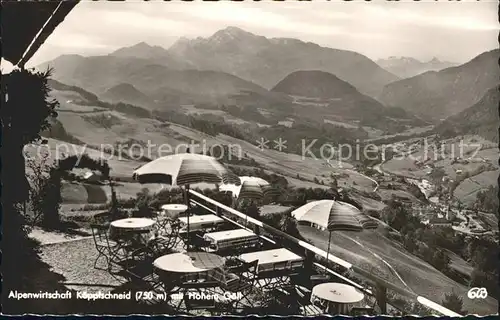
[{"x": 453, "y": 302}]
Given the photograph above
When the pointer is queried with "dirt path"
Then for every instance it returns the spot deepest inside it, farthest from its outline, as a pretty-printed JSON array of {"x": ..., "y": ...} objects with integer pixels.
[{"x": 386, "y": 263}]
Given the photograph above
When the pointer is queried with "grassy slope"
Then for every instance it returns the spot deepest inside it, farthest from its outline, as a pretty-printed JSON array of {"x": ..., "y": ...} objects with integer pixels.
[{"x": 418, "y": 275}]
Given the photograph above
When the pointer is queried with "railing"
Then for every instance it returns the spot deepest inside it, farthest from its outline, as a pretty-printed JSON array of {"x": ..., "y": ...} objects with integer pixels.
[{"x": 331, "y": 258}]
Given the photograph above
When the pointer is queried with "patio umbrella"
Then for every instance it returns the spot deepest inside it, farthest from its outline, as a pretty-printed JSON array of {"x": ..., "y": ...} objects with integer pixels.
[
  {"x": 334, "y": 216},
  {"x": 184, "y": 169},
  {"x": 252, "y": 188}
]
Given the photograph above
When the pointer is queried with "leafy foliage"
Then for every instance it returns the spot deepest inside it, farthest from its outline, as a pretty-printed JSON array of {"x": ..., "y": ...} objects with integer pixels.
[
  {"x": 143, "y": 200},
  {"x": 114, "y": 206},
  {"x": 283, "y": 221},
  {"x": 44, "y": 196},
  {"x": 249, "y": 208},
  {"x": 487, "y": 200},
  {"x": 103, "y": 120},
  {"x": 26, "y": 109},
  {"x": 416, "y": 237},
  {"x": 17, "y": 104},
  {"x": 428, "y": 243}
]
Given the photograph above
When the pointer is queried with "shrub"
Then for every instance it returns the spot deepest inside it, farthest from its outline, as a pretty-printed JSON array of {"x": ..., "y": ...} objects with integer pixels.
[
  {"x": 102, "y": 120},
  {"x": 114, "y": 209},
  {"x": 453, "y": 302},
  {"x": 143, "y": 201},
  {"x": 45, "y": 193}
]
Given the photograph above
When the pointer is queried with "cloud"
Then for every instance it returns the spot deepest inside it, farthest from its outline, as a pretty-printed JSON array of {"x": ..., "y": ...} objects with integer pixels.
[{"x": 454, "y": 19}]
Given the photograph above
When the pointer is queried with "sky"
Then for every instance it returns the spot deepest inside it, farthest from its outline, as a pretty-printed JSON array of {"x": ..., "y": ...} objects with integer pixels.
[{"x": 452, "y": 31}]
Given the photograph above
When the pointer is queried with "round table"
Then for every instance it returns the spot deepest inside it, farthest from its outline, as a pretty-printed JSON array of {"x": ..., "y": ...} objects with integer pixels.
[
  {"x": 337, "y": 295},
  {"x": 173, "y": 210},
  {"x": 189, "y": 262},
  {"x": 131, "y": 224},
  {"x": 131, "y": 229}
]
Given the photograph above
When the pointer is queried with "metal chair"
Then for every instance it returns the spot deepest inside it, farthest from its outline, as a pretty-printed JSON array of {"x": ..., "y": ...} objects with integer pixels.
[
  {"x": 161, "y": 244},
  {"x": 166, "y": 237},
  {"x": 128, "y": 248},
  {"x": 313, "y": 306},
  {"x": 111, "y": 250},
  {"x": 175, "y": 229},
  {"x": 240, "y": 281},
  {"x": 277, "y": 275},
  {"x": 162, "y": 223},
  {"x": 311, "y": 310},
  {"x": 200, "y": 243},
  {"x": 200, "y": 302}
]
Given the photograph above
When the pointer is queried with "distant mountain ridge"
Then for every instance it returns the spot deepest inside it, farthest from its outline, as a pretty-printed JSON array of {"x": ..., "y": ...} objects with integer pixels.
[
  {"x": 126, "y": 93},
  {"x": 481, "y": 118},
  {"x": 335, "y": 97},
  {"x": 154, "y": 54},
  {"x": 159, "y": 82},
  {"x": 263, "y": 60},
  {"x": 438, "y": 95},
  {"x": 406, "y": 67},
  {"x": 315, "y": 83}
]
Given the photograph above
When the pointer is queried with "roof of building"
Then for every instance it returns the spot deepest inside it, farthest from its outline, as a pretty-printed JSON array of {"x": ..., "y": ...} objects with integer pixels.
[{"x": 26, "y": 25}]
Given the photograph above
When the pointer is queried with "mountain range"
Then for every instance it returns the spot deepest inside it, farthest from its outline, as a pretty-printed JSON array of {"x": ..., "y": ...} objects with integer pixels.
[
  {"x": 438, "y": 95},
  {"x": 322, "y": 95},
  {"x": 262, "y": 60},
  {"x": 481, "y": 119},
  {"x": 162, "y": 84},
  {"x": 127, "y": 93},
  {"x": 154, "y": 54},
  {"x": 406, "y": 67},
  {"x": 235, "y": 67}
]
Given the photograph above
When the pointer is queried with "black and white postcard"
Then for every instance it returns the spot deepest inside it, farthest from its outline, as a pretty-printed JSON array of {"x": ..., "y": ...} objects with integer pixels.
[{"x": 215, "y": 158}]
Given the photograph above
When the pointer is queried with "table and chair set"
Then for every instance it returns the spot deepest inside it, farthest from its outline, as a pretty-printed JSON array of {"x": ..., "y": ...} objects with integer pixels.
[{"x": 144, "y": 249}]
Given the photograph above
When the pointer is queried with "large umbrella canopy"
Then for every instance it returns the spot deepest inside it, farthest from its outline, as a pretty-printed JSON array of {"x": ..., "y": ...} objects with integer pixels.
[
  {"x": 334, "y": 215},
  {"x": 254, "y": 188},
  {"x": 184, "y": 169},
  {"x": 337, "y": 292}
]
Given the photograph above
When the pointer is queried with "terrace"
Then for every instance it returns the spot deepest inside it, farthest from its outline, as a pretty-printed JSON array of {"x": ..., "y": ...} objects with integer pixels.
[
  {"x": 251, "y": 267},
  {"x": 289, "y": 280}
]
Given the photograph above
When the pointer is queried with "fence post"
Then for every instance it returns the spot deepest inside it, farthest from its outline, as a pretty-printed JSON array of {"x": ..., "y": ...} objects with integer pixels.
[{"x": 381, "y": 296}]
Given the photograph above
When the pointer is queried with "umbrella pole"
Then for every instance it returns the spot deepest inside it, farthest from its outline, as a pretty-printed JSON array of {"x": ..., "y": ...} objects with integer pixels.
[
  {"x": 246, "y": 214},
  {"x": 188, "y": 204},
  {"x": 328, "y": 251}
]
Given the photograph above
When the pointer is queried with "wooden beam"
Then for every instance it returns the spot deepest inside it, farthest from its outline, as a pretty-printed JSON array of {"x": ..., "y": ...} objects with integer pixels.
[
  {"x": 21, "y": 22},
  {"x": 61, "y": 11}
]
